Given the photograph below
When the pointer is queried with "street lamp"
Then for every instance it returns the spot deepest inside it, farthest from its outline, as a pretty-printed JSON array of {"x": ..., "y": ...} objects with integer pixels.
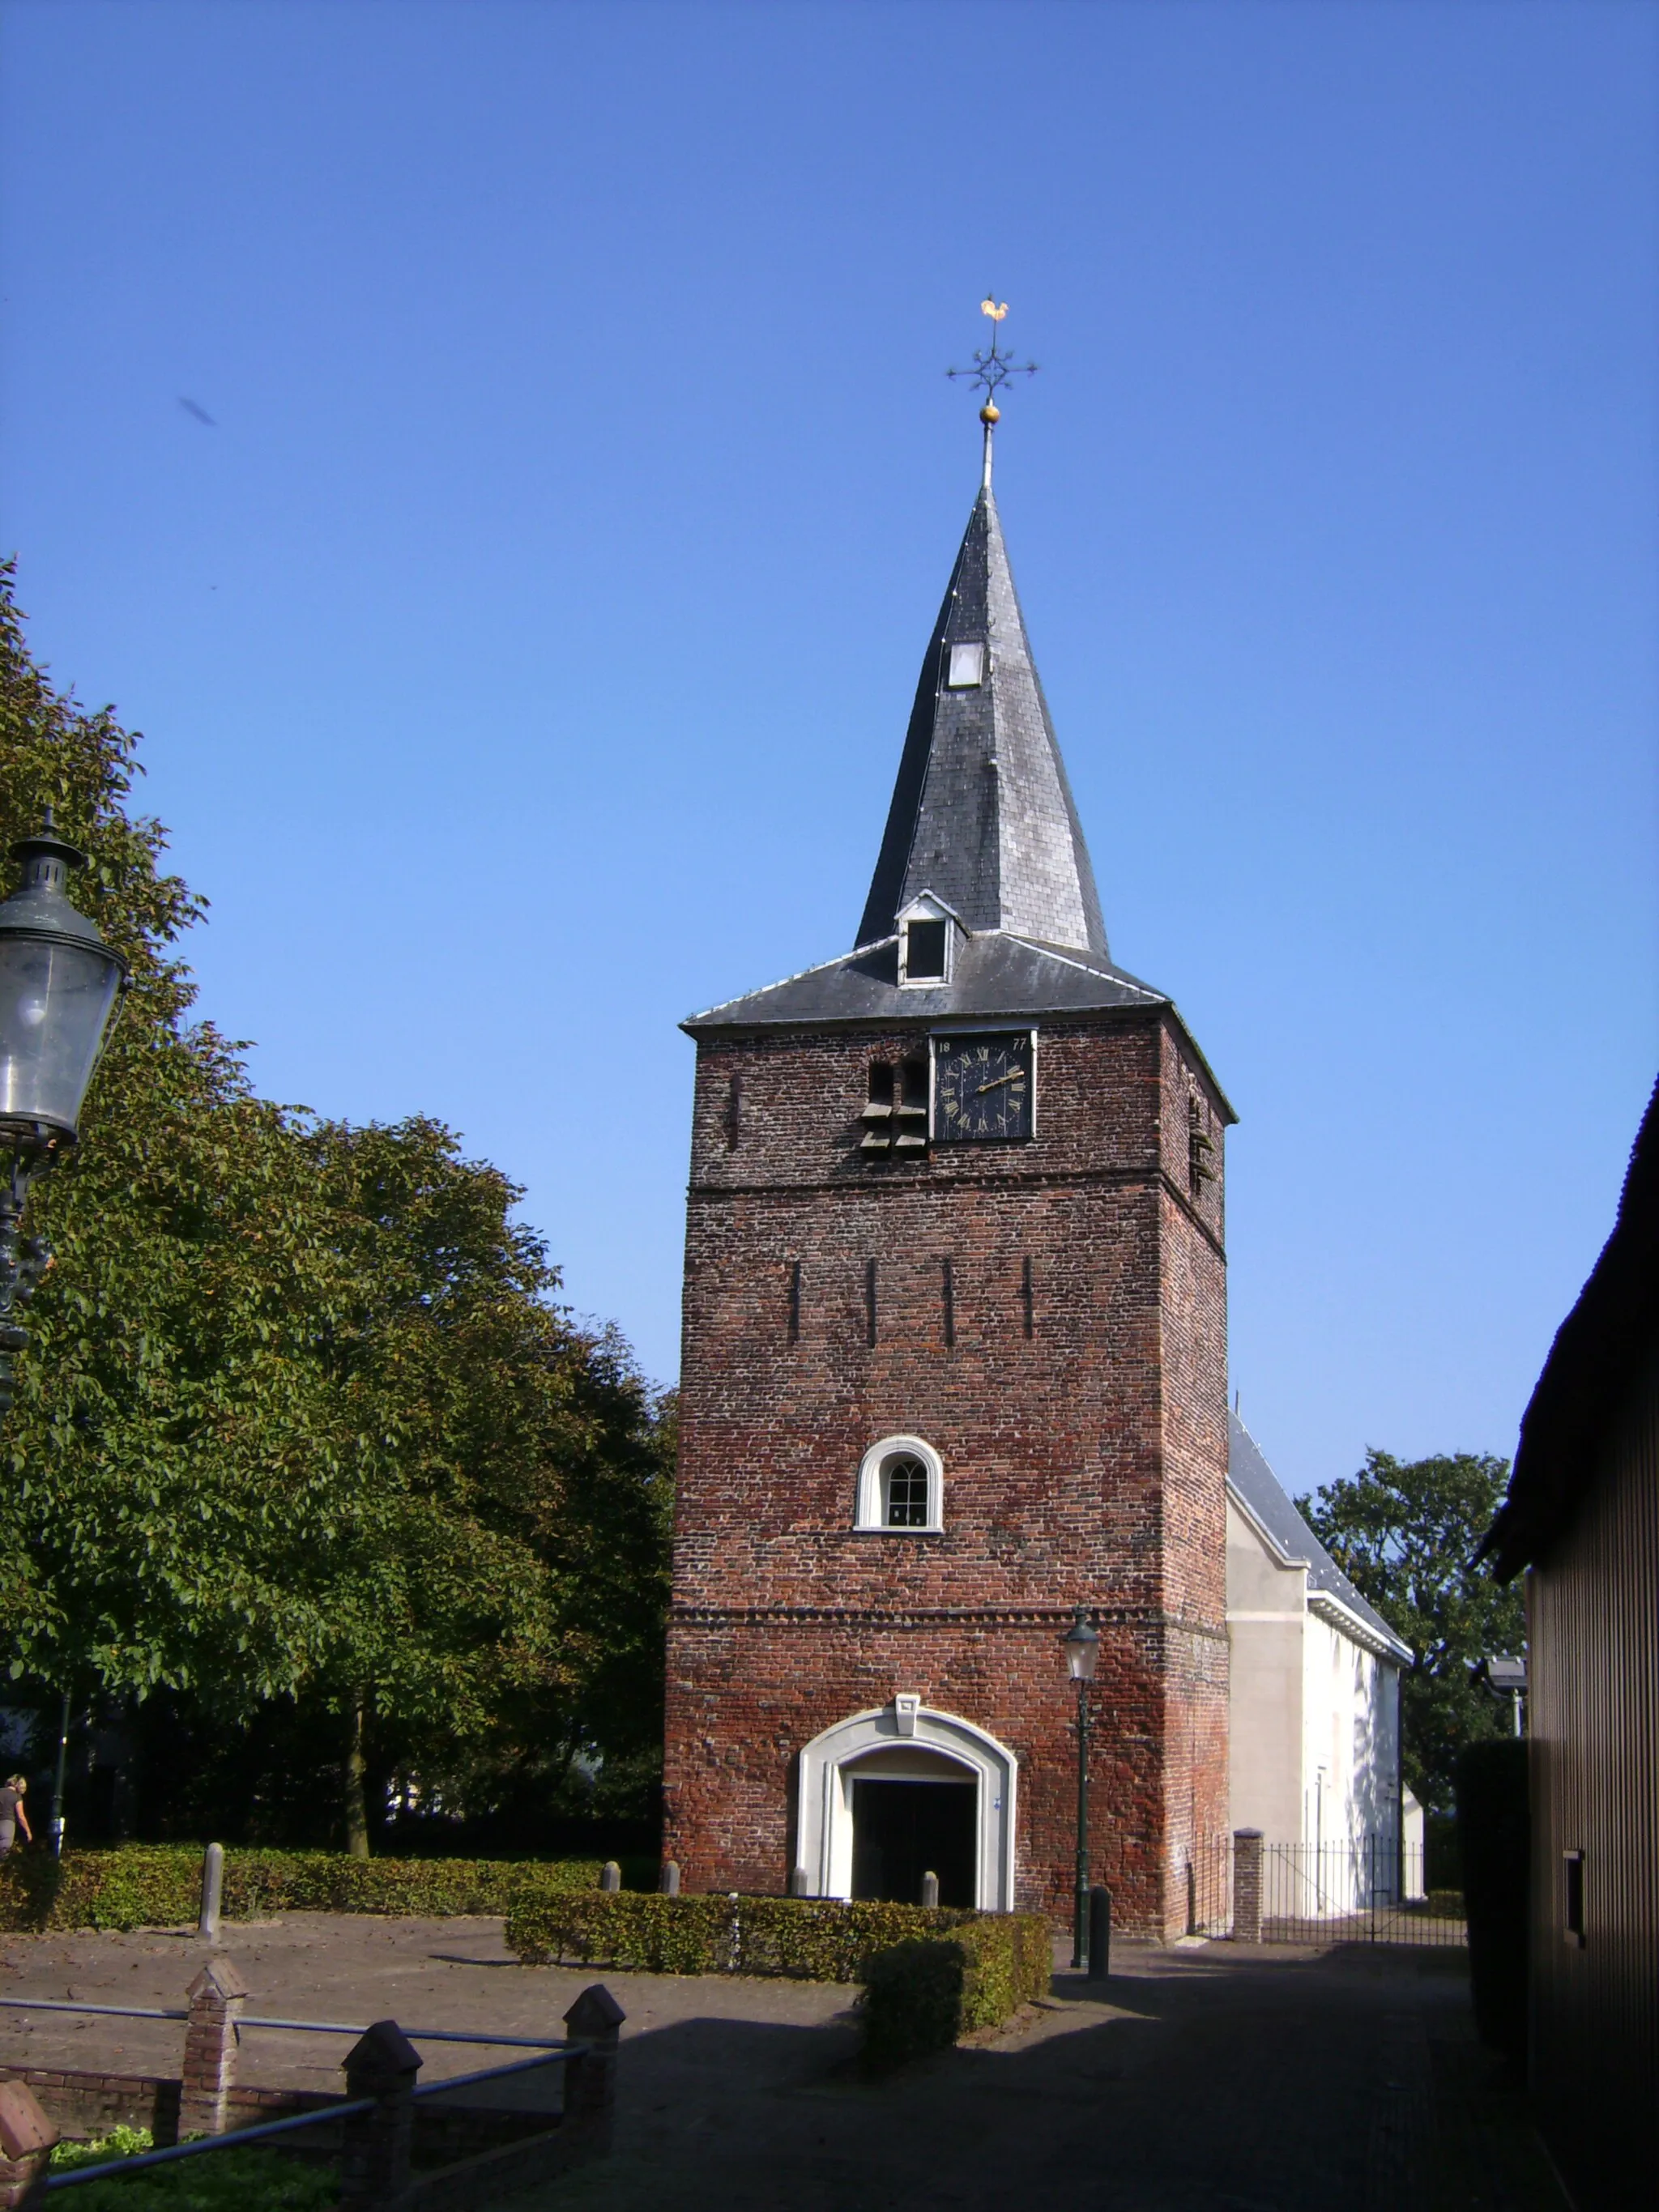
[
  {"x": 1081, "y": 1646},
  {"x": 58, "y": 981}
]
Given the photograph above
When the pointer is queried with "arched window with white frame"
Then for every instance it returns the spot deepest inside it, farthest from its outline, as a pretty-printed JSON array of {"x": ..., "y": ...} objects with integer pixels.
[{"x": 901, "y": 1488}]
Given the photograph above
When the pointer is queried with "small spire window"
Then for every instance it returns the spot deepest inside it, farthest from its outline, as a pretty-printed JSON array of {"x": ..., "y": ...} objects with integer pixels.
[
  {"x": 924, "y": 952},
  {"x": 927, "y": 931},
  {"x": 966, "y": 668}
]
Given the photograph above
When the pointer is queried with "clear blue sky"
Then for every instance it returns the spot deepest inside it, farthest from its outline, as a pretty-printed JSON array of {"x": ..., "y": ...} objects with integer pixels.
[{"x": 524, "y": 649}]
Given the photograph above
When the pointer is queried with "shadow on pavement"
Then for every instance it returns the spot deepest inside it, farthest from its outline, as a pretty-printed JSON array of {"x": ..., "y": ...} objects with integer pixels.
[{"x": 1196, "y": 2082}]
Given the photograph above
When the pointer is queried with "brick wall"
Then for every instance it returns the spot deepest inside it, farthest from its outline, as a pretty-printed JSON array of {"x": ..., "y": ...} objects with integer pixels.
[{"x": 1076, "y": 1393}]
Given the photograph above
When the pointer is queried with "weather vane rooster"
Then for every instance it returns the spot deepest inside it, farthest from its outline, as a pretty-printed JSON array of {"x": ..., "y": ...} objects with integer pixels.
[{"x": 992, "y": 368}]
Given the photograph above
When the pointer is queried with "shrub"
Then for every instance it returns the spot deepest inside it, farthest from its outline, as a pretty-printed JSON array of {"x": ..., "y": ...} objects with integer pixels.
[
  {"x": 810, "y": 1939},
  {"x": 150, "y": 1886},
  {"x": 930, "y": 1973},
  {"x": 120, "y": 2142},
  {"x": 922, "y": 1995},
  {"x": 228, "y": 2181},
  {"x": 913, "y": 2001}
]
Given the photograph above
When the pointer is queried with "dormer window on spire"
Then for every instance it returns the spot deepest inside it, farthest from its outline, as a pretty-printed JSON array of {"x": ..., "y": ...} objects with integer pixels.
[
  {"x": 927, "y": 934},
  {"x": 966, "y": 668}
]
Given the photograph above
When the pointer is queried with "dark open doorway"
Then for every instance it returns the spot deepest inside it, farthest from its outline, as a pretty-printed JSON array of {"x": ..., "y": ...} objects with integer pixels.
[{"x": 904, "y": 1829}]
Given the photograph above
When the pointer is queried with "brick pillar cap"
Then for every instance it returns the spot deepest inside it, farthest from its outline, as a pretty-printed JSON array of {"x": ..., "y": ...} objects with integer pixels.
[
  {"x": 595, "y": 2012},
  {"x": 384, "y": 2050},
  {"x": 24, "y": 2128},
  {"x": 1246, "y": 1832},
  {"x": 219, "y": 1977}
]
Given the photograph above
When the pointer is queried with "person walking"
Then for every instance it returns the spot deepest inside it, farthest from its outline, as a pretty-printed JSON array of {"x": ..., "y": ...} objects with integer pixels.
[{"x": 12, "y": 1815}]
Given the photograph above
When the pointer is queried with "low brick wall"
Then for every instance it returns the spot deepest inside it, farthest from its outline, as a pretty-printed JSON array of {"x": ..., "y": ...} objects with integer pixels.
[
  {"x": 457, "y": 2149},
  {"x": 85, "y": 2105}
]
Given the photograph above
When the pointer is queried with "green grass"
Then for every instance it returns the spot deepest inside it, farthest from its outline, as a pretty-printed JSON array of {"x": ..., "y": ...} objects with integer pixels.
[{"x": 218, "y": 2181}]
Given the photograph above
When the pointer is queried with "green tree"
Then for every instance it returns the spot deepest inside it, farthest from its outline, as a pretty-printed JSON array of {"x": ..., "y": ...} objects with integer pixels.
[
  {"x": 1404, "y": 1532},
  {"x": 504, "y": 1597},
  {"x": 300, "y": 1419}
]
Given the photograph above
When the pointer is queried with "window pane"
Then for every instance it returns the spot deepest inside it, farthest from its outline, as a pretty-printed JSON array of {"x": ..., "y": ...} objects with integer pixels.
[
  {"x": 906, "y": 1482},
  {"x": 924, "y": 950},
  {"x": 967, "y": 666}
]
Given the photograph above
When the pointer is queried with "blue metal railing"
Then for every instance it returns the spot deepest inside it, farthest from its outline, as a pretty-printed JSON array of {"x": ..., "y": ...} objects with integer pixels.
[{"x": 553, "y": 2050}]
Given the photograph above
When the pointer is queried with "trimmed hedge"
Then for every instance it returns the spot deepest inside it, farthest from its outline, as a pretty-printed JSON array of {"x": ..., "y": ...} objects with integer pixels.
[
  {"x": 159, "y": 1885},
  {"x": 923, "y": 1994},
  {"x": 931, "y": 1974},
  {"x": 810, "y": 1939}
]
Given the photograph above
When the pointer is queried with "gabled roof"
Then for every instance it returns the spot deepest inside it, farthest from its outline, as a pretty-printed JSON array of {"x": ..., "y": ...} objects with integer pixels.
[
  {"x": 982, "y": 813},
  {"x": 992, "y": 974},
  {"x": 1265, "y": 1504},
  {"x": 1597, "y": 1352},
  {"x": 994, "y": 977}
]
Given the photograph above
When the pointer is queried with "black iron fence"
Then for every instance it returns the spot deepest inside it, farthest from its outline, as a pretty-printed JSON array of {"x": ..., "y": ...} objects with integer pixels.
[
  {"x": 1369, "y": 1892},
  {"x": 1210, "y": 1887},
  {"x": 1372, "y": 1891}
]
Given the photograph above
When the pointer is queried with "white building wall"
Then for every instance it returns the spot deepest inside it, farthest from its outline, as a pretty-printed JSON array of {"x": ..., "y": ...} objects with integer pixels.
[
  {"x": 1314, "y": 1715},
  {"x": 1267, "y": 1605}
]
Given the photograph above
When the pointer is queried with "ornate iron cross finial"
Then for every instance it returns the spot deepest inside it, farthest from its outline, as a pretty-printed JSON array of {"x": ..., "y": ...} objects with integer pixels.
[{"x": 992, "y": 368}]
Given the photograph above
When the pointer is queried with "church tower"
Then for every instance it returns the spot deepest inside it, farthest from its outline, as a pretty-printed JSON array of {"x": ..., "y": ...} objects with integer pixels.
[{"x": 954, "y": 1362}]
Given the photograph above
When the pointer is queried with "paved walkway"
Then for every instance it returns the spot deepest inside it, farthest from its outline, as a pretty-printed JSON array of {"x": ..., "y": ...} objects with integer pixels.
[{"x": 1213, "y": 2080}]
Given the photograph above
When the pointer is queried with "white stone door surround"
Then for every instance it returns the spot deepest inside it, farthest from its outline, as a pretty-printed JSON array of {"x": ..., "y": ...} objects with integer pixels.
[{"x": 824, "y": 1850}]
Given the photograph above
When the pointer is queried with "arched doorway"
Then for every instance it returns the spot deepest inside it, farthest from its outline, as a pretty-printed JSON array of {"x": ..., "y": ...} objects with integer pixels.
[
  {"x": 914, "y": 1812},
  {"x": 888, "y": 1795}
]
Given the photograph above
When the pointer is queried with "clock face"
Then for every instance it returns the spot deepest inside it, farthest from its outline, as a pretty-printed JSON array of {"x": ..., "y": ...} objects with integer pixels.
[{"x": 982, "y": 1089}]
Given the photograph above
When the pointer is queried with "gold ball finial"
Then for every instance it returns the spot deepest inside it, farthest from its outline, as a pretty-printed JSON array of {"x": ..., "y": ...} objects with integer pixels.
[{"x": 990, "y": 414}]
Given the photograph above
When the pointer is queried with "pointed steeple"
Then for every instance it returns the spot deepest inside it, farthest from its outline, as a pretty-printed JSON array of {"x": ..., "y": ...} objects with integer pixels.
[{"x": 982, "y": 815}]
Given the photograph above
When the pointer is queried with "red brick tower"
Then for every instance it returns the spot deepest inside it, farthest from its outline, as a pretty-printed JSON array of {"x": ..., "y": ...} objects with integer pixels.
[{"x": 955, "y": 1361}]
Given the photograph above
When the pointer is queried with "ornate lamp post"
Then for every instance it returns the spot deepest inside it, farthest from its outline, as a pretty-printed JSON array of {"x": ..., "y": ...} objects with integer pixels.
[
  {"x": 58, "y": 981},
  {"x": 1081, "y": 1646}
]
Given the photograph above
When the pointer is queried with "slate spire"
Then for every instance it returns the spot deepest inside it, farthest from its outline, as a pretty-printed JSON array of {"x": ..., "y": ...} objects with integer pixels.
[{"x": 982, "y": 815}]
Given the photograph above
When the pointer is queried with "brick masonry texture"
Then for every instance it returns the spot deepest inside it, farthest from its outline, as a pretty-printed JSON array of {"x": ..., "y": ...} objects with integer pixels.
[{"x": 1086, "y": 1461}]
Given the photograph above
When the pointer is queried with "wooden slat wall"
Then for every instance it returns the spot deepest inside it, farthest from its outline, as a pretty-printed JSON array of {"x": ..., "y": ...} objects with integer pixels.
[{"x": 1593, "y": 1608}]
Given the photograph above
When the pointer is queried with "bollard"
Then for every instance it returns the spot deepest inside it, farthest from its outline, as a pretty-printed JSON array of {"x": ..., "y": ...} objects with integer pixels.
[
  {"x": 590, "y": 2076},
  {"x": 668, "y": 1882},
  {"x": 798, "y": 1882},
  {"x": 1247, "y": 1885},
  {"x": 930, "y": 1889},
  {"x": 212, "y": 1885},
  {"x": 610, "y": 1875},
  {"x": 1100, "y": 1933},
  {"x": 375, "y": 2161},
  {"x": 209, "y": 2072},
  {"x": 27, "y": 2136}
]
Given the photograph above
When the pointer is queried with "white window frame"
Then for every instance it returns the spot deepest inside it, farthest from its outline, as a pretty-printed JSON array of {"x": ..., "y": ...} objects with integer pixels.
[
  {"x": 982, "y": 667},
  {"x": 926, "y": 907},
  {"x": 870, "y": 1509}
]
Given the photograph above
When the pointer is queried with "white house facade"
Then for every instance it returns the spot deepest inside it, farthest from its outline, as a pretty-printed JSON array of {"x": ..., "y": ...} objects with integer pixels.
[{"x": 1315, "y": 1699}]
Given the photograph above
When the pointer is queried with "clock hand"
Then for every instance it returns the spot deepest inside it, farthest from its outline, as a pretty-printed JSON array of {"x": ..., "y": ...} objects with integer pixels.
[{"x": 1018, "y": 1076}]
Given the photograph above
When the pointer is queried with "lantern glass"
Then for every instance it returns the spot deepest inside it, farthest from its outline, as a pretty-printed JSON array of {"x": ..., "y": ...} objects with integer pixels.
[
  {"x": 1082, "y": 1649},
  {"x": 55, "y": 1001}
]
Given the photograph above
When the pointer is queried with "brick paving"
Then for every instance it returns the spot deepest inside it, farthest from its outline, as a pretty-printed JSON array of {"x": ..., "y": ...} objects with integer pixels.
[{"x": 1213, "y": 2080}]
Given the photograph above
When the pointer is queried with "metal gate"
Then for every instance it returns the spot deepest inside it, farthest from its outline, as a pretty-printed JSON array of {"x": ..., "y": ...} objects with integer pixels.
[{"x": 1369, "y": 1892}]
